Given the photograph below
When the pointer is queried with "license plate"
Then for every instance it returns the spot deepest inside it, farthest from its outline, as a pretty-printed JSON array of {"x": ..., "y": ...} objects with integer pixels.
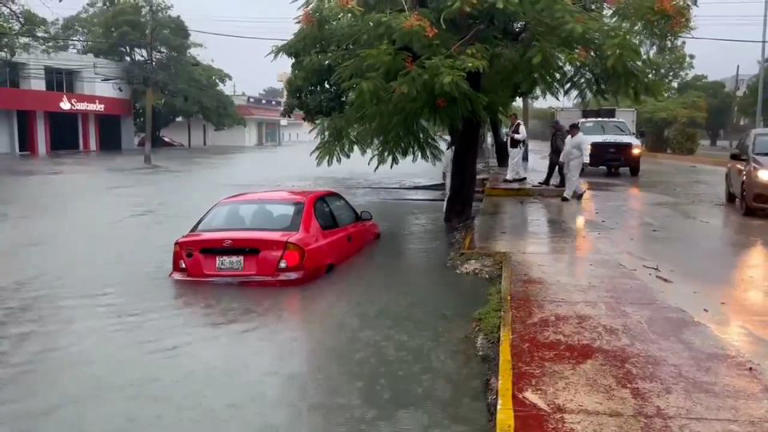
[{"x": 229, "y": 263}]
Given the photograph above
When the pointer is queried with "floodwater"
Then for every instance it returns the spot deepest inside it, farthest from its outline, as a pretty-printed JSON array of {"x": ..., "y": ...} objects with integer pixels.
[{"x": 95, "y": 337}]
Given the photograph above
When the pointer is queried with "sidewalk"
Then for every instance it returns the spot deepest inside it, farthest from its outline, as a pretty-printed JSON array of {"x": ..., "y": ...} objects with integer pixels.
[{"x": 593, "y": 346}]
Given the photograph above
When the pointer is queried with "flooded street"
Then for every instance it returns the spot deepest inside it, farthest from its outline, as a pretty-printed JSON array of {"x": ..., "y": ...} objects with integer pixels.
[{"x": 95, "y": 337}]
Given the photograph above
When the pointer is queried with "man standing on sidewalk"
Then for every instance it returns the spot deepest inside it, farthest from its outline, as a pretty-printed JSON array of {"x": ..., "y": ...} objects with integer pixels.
[
  {"x": 516, "y": 137},
  {"x": 556, "y": 145},
  {"x": 573, "y": 159}
]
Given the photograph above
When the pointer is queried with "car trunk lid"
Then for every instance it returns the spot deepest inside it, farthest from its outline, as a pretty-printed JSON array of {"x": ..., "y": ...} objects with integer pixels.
[{"x": 233, "y": 254}]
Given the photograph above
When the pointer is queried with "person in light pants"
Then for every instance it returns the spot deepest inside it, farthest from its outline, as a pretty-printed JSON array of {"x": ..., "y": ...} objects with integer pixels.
[
  {"x": 572, "y": 158},
  {"x": 516, "y": 137}
]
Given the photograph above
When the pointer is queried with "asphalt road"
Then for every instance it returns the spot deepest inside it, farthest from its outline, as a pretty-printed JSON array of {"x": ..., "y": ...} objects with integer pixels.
[{"x": 95, "y": 337}]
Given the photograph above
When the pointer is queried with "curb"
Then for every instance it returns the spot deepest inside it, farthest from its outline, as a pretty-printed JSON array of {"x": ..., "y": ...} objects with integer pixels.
[
  {"x": 494, "y": 191},
  {"x": 700, "y": 160},
  {"x": 505, "y": 410}
]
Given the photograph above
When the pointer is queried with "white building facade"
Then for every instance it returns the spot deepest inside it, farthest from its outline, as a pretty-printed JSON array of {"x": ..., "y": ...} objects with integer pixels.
[
  {"x": 63, "y": 102},
  {"x": 263, "y": 126}
]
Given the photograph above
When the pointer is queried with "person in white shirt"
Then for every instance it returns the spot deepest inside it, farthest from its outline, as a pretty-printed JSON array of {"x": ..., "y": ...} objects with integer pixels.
[
  {"x": 576, "y": 146},
  {"x": 516, "y": 137}
]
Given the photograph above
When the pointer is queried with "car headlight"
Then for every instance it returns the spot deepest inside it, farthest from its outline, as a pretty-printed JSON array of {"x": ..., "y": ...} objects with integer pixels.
[
  {"x": 636, "y": 150},
  {"x": 762, "y": 175}
]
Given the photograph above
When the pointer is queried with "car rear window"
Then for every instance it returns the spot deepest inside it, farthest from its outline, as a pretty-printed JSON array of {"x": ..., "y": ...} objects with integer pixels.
[
  {"x": 252, "y": 216},
  {"x": 603, "y": 127}
]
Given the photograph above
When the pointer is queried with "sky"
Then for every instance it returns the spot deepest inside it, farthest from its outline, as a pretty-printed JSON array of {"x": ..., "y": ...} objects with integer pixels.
[{"x": 252, "y": 68}]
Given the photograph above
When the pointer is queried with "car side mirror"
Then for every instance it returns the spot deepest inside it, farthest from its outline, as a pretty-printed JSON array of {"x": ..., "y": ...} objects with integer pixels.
[
  {"x": 366, "y": 216},
  {"x": 641, "y": 134},
  {"x": 736, "y": 156}
]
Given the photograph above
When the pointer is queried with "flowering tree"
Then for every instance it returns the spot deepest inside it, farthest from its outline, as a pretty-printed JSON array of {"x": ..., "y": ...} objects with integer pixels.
[{"x": 386, "y": 77}]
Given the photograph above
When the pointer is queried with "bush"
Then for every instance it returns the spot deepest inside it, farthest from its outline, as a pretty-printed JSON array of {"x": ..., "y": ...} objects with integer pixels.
[{"x": 683, "y": 140}]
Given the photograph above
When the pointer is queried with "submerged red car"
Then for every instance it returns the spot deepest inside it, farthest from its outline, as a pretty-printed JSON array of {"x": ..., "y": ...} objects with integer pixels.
[{"x": 273, "y": 237}]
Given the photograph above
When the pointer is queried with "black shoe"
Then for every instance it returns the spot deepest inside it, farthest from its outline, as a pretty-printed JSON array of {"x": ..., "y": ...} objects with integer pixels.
[
  {"x": 580, "y": 196},
  {"x": 564, "y": 199},
  {"x": 507, "y": 181},
  {"x": 560, "y": 186},
  {"x": 543, "y": 183},
  {"x": 519, "y": 180}
]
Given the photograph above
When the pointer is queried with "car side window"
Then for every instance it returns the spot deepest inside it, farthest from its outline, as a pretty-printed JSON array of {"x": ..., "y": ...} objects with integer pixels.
[
  {"x": 324, "y": 215},
  {"x": 344, "y": 213},
  {"x": 741, "y": 147}
]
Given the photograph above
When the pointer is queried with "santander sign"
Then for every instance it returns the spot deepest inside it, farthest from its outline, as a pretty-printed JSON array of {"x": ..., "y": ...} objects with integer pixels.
[{"x": 74, "y": 104}]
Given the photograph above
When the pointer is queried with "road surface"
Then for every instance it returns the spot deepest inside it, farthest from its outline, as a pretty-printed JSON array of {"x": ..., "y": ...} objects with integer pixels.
[{"x": 95, "y": 337}]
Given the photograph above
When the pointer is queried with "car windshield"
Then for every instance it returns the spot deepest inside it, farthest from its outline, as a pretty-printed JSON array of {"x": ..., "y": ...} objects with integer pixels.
[
  {"x": 252, "y": 216},
  {"x": 760, "y": 147},
  {"x": 603, "y": 127}
]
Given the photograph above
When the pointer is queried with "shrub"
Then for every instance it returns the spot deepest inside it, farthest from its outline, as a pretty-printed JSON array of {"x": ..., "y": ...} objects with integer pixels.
[{"x": 683, "y": 139}]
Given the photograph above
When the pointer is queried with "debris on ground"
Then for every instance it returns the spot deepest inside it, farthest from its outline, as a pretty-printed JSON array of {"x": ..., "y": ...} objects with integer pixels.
[
  {"x": 652, "y": 268},
  {"x": 663, "y": 279}
]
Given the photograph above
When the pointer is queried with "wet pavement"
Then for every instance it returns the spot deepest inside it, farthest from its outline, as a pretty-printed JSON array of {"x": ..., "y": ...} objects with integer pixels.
[
  {"x": 95, "y": 337},
  {"x": 644, "y": 308}
]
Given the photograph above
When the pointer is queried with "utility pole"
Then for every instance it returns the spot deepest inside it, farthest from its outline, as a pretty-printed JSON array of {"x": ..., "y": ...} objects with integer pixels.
[
  {"x": 150, "y": 97},
  {"x": 733, "y": 106},
  {"x": 761, "y": 84}
]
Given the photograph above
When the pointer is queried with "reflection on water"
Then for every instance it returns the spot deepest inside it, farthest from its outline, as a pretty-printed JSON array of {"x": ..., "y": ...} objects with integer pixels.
[{"x": 747, "y": 302}]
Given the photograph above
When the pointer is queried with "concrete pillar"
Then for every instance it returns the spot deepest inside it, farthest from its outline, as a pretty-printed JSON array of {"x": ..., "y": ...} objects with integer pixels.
[
  {"x": 41, "y": 133},
  {"x": 260, "y": 128},
  {"x": 80, "y": 136},
  {"x": 92, "y": 132}
]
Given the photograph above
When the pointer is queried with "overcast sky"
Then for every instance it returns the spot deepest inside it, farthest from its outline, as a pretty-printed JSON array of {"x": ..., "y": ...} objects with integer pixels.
[{"x": 252, "y": 68}]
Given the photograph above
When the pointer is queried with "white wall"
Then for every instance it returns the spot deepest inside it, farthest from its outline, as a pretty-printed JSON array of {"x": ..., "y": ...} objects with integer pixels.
[
  {"x": 297, "y": 132},
  {"x": 235, "y": 136},
  {"x": 7, "y": 132}
]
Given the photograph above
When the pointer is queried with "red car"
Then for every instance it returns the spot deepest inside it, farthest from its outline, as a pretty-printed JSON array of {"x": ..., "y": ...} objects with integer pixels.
[{"x": 275, "y": 237}]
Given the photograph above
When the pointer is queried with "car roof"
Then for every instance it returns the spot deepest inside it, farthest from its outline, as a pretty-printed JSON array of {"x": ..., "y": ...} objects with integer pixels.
[{"x": 278, "y": 195}]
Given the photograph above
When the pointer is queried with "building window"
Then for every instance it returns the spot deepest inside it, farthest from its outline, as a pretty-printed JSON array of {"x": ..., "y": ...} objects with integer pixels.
[
  {"x": 59, "y": 80},
  {"x": 9, "y": 75}
]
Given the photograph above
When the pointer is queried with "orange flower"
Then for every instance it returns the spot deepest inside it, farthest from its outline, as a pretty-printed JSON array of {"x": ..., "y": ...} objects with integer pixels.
[
  {"x": 441, "y": 103},
  {"x": 307, "y": 19},
  {"x": 348, "y": 3},
  {"x": 409, "y": 64},
  {"x": 430, "y": 32}
]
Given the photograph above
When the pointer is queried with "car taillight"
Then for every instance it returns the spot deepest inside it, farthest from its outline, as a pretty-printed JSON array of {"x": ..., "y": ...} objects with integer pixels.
[
  {"x": 178, "y": 262},
  {"x": 292, "y": 259}
]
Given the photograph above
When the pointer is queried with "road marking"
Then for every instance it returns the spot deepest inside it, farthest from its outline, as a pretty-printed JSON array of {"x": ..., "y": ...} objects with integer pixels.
[{"x": 505, "y": 410}]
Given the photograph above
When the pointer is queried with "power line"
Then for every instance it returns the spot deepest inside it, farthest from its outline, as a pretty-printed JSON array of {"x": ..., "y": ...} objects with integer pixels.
[
  {"x": 721, "y": 39},
  {"x": 274, "y": 39}
]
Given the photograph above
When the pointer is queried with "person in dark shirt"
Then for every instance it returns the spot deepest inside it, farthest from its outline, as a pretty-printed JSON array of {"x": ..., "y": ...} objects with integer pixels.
[{"x": 556, "y": 145}]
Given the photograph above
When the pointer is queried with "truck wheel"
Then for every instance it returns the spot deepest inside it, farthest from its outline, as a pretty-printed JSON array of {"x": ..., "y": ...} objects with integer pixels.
[
  {"x": 730, "y": 197},
  {"x": 634, "y": 170}
]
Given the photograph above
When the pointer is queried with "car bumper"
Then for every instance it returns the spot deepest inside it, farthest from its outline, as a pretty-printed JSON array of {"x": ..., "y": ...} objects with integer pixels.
[
  {"x": 287, "y": 278},
  {"x": 757, "y": 195},
  {"x": 611, "y": 160}
]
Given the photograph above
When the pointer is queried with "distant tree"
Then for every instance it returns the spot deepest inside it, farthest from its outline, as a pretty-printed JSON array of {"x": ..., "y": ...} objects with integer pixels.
[
  {"x": 380, "y": 76},
  {"x": 680, "y": 114},
  {"x": 747, "y": 104},
  {"x": 271, "y": 93},
  {"x": 20, "y": 28},
  {"x": 719, "y": 104},
  {"x": 186, "y": 87}
]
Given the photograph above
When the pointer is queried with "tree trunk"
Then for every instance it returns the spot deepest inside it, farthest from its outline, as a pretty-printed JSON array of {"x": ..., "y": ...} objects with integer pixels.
[
  {"x": 500, "y": 145},
  {"x": 713, "y": 136},
  {"x": 466, "y": 142}
]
